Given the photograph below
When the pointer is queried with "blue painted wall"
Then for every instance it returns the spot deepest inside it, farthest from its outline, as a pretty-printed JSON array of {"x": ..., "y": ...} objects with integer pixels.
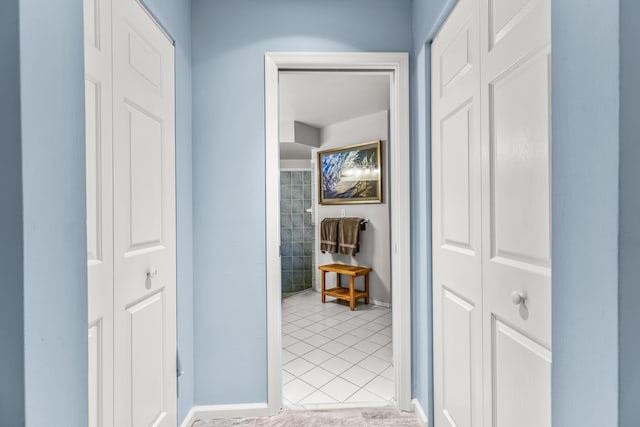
[
  {"x": 230, "y": 38},
  {"x": 629, "y": 268},
  {"x": 427, "y": 16},
  {"x": 11, "y": 249},
  {"x": 175, "y": 16},
  {"x": 53, "y": 171},
  {"x": 421, "y": 366},
  {"x": 585, "y": 101}
]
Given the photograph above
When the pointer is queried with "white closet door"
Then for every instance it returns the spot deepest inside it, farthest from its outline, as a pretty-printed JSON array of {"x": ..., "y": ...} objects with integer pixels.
[
  {"x": 457, "y": 245},
  {"x": 516, "y": 183},
  {"x": 97, "y": 32},
  {"x": 144, "y": 220}
]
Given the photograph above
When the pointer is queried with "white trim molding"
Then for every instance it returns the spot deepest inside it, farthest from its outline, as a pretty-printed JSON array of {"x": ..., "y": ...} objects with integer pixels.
[
  {"x": 397, "y": 64},
  {"x": 380, "y": 303},
  {"x": 189, "y": 419},
  {"x": 420, "y": 414},
  {"x": 216, "y": 412}
]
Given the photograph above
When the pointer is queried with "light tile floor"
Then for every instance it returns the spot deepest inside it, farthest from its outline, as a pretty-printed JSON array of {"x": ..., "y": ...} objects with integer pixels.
[{"x": 332, "y": 355}]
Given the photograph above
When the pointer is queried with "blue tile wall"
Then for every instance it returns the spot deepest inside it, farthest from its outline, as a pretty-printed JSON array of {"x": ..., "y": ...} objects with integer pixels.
[{"x": 296, "y": 230}]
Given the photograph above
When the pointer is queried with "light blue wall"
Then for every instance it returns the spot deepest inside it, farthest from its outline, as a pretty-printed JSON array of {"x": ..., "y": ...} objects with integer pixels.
[
  {"x": 11, "y": 249},
  {"x": 629, "y": 267},
  {"x": 585, "y": 213},
  {"x": 175, "y": 16},
  {"x": 230, "y": 38},
  {"x": 427, "y": 16},
  {"x": 421, "y": 235},
  {"x": 53, "y": 162}
]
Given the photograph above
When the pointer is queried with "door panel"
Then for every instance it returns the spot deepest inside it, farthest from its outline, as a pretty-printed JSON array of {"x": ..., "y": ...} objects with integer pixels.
[
  {"x": 522, "y": 376},
  {"x": 491, "y": 214},
  {"x": 519, "y": 144},
  {"x": 145, "y": 59},
  {"x": 96, "y": 374},
  {"x": 94, "y": 165},
  {"x": 455, "y": 61},
  {"x": 456, "y": 191},
  {"x": 145, "y": 172},
  {"x": 457, "y": 329},
  {"x": 147, "y": 369},
  {"x": 456, "y": 177},
  {"x": 144, "y": 220},
  {"x": 97, "y": 27},
  {"x": 98, "y": 131},
  {"x": 504, "y": 15},
  {"x": 516, "y": 185}
]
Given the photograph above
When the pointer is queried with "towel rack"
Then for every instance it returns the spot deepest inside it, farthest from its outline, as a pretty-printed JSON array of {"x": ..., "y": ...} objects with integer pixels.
[{"x": 363, "y": 223}]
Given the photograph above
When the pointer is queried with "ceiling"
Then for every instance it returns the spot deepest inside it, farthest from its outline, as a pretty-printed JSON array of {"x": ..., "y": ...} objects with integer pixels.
[{"x": 321, "y": 98}]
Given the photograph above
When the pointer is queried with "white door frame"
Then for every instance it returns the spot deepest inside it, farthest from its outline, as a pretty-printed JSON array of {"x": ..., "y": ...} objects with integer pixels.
[{"x": 400, "y": 203}]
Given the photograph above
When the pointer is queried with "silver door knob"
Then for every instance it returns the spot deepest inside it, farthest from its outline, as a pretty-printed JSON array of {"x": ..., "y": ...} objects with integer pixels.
[
  {"x": 151, "y": 274},
  {"x": 518, "y": 297}
]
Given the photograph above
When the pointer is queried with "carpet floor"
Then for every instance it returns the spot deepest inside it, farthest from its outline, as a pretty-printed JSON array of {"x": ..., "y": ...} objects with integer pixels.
[{"x": 360, "y": 417}]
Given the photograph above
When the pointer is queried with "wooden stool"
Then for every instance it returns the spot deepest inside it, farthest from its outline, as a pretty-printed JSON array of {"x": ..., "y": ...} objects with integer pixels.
[{"x": 339, "y": 292}]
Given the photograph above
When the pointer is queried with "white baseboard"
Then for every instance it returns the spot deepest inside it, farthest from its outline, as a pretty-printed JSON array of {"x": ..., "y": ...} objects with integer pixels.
[
  {"x": 189, "y": 420},
  {"x": 330, "y": 406},
  {"x": 216, "y": 412},
  {"x": 381, "y": 304},
  {"x": 420, "y": 414}
]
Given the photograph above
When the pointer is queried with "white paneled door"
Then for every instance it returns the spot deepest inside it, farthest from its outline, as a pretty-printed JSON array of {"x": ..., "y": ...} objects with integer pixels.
[
  {"x": 516, "y": 211},
  {"x": 98, "y": 123},
  {"x": 457, "y": 244},
  {"x": 491, "y": 215},
  {"x": 144, "y": 220},
  {"x": 131, "y": 219}
]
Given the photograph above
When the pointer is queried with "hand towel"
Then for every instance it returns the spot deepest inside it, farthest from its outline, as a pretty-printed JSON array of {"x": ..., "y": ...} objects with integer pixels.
[
  {"x": 329, "y": 235},
  {"x": 349, "y": 236}
]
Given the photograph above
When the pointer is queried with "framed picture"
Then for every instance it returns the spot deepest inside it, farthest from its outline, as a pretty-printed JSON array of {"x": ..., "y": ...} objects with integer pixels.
[{"x": 350, "y": 175}]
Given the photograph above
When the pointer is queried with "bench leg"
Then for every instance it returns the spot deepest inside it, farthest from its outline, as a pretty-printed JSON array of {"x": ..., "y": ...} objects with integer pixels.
[
  {"x": 352, "y": 299},
  {"x": 366, "y": 288},
  {"x": 323, "y": 286}
]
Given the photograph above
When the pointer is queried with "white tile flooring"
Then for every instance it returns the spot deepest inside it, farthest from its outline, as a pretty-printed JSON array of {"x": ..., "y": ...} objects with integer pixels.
[{"x": 332, "y": 355}]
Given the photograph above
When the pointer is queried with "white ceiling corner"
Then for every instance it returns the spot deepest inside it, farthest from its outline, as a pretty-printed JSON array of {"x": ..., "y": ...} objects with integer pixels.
[{"x": 322, "y": 98}]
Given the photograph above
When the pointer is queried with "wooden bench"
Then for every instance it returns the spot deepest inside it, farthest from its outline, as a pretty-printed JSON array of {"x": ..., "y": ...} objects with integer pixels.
[{"x": 339, "y": 292}]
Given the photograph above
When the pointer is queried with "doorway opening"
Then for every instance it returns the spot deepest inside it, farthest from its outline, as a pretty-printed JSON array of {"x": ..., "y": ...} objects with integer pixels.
[
  {"x": 322, "y": 346},
  {"x": 335, "y": 352}
]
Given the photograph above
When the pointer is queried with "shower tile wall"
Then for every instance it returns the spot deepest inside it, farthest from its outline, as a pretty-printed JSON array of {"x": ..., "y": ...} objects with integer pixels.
[{"x": 296, "y": 230}]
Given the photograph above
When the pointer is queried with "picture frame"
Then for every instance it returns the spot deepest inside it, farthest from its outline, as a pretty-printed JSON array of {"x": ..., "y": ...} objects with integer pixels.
[{"x": 351, "y": 175}]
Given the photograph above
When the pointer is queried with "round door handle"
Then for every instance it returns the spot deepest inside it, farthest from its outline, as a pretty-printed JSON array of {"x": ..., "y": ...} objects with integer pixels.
[
  {"x": 151, "y": 274},
  {"x": 518, "y": 297}
]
